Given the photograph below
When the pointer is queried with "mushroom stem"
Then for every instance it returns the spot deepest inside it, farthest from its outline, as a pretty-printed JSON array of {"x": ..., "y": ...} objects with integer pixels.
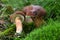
[
  {"x": 38, "y": 21},
  {"x": 18, "y": 25}
]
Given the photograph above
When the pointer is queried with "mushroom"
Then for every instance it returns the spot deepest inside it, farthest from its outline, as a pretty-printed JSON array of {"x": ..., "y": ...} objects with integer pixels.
[
  {"x": 17, "y": 18},
  {"x": 36, "y": 13}
]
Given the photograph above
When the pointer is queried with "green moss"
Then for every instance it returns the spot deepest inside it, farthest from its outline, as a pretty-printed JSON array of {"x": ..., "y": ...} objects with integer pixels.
[{"x": 48, "y": 32}]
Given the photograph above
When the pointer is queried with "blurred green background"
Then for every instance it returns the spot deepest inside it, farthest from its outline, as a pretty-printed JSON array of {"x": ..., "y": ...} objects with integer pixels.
[{"x": 48, "y": 31}]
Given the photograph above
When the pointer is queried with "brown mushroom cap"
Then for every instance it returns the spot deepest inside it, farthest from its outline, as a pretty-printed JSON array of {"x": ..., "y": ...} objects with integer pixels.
[
  {"x": 34, "y": 10},
  {"x": 20, "y": 12}
]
